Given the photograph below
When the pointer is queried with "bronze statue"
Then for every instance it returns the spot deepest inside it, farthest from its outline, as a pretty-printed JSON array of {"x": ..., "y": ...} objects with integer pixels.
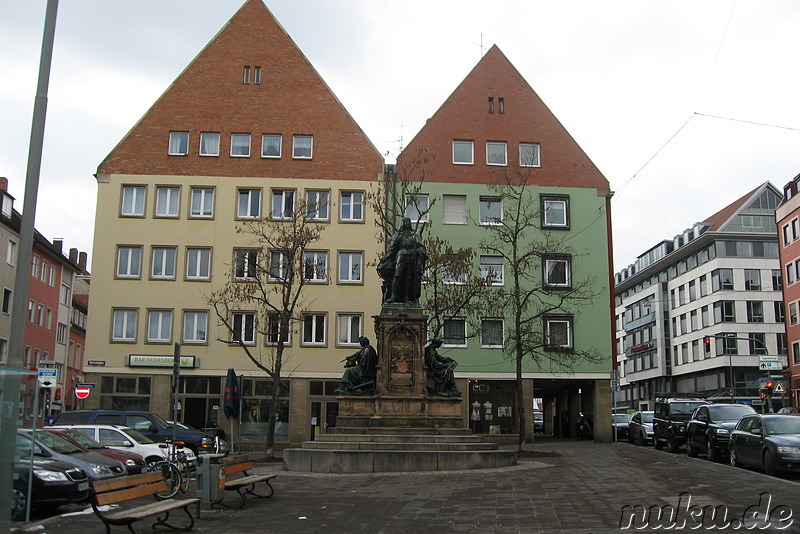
[
  {"x": 402, "y": 266},
  {"x": 441, "y": 378},
  {"x": 359, "y": 372}
]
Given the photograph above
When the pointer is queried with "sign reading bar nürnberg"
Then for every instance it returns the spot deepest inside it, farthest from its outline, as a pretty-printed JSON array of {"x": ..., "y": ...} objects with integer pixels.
[{"x": 148, "y": 360}]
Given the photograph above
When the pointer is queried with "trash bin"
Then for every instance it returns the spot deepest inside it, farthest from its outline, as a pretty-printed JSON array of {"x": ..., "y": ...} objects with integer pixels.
[{"x": 210, "y": 479}]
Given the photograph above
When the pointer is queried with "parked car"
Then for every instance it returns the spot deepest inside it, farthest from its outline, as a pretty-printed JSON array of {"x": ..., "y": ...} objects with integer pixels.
[
  {"x": 149, "y": 424},
  {"x": 134, "y": 463},
  {"x": 709, "y": 429},
  {"x": 640, "y": 428},
  {"x": 213, "y": 430},
  {"x": 127, "y": 439},
  {"x": 538, "y": 421},
  {"x": 54, "y": 483},
  {"x": 671, "y": 413},
  {"x": 789, "y": 410},
  {"x": 769, "y": 442},
  {"x": 619, "y": 424},
  {"x": 51, "y": 445}
]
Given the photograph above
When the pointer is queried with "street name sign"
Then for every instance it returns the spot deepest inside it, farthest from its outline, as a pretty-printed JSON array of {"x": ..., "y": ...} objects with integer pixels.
[{"x": 769, "y": 358}]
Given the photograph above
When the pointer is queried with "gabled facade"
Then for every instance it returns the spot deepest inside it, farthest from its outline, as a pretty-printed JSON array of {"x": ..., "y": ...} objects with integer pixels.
[
  {"x": 788, "y": 218},
  {"x": 718, "y": 281}
]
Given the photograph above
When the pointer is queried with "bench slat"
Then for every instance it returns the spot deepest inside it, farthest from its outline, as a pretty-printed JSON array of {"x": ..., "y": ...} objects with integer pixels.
[
  {"x": 245, "y": 481},
  {"x": 238, "y": 468},
  {"x": 131, "y": 493},
  {"x": 111, "y": 484},
  {"x": 149, "y": 510}
]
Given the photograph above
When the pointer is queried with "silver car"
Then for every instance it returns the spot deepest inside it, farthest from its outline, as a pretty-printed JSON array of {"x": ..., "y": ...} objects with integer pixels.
[
  {"x": 51, "y": 445},
  {"x": 640, "y": 428}
]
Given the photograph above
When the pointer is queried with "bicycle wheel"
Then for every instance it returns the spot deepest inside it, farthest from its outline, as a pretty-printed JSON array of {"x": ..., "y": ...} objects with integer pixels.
[
  {"x": 185, "y": 476},
  {"x": 172, "y": 476}
]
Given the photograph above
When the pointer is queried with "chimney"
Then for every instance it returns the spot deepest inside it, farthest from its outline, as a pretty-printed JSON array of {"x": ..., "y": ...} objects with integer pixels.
[
  {"x": 3, "y": 183},
  {"x": 82, "y": 261},
  {"x": 58, "y": 244},
  {"x": 73, "y": 255}
]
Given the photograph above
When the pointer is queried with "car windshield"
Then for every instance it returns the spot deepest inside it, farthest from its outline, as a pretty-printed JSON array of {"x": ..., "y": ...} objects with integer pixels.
[
  {"x": 782, "y": 425},
  {"x": 647, "y": 417},
  {"x": 538, "y": 416},
  {"x": 621, "y": 417},
  {"x": 683, "y": 408},
  {"x": 82, "y": 439},
  {"x": 137, "y": 436},
  {"x": 160, "y": 421},
  {"x": 729, "y": 412},
  {"x": 56, "y": 443}
]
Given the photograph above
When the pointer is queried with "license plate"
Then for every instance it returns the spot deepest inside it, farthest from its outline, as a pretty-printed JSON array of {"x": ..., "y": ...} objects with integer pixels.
[{"x": 83, "y": 486}]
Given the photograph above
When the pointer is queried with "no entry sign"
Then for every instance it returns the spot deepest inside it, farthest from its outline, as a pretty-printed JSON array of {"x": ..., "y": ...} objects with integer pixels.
[{"x": 82, "y": 392}]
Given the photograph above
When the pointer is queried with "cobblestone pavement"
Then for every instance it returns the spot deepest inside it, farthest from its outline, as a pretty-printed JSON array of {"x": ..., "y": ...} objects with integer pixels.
[{"x": 569, "y": 486}]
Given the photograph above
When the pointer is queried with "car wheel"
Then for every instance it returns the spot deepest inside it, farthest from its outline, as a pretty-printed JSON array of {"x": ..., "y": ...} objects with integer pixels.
[
  {"x": 770, "y": 467},
  {"x": 631, "y": 438},
  {"x": 672, "y": 444},
  {"x": 734, "y": 458},
  {"x": 711, "y": 452},
  {"x": 690, "y": 450},
  {"x": 19, "y": 502},
  {"x": 657, "y": 443}
]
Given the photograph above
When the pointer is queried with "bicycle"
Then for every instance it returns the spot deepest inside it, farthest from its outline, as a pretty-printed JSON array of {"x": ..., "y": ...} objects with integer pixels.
[{"x": 174, "y": 467}]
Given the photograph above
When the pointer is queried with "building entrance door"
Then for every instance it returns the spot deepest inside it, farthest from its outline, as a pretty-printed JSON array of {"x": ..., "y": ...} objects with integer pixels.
[{"x": 323, "y": 417}]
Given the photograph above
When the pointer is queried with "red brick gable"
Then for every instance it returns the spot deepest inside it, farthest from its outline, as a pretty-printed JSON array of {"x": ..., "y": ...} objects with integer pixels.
[
  {"x": 464, "y": 115},
  {"x": 210, "y": 96}
]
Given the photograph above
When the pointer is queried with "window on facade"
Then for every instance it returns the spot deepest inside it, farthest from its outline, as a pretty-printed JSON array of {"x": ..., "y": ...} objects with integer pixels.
[
  {"x": 491, "y": 104},
  {"x": 780, "y": 311},
  {"x": 35, "y": 266},
  {"x": 777, "y": 280},
  {"x": 202, "y": 203},
  {"x": 350, "y": 267},
  {"x": 209, "y": 143},
  {"x": 528, "y": 155},
  {"x": 129, "y": 260},
  {"x": 198, "y": 263},
  {"x": 65, "y": 297},
  {"x": 726, "y": 344},
  {"x": 492, "y": 333},
  {"x": 132, "y": 204},
  {"x": 786, "y": 237},
  {"x": 240, "y": 145},
  {"x": 245, "y": 264},
  {"x": 501, "y": 105},
  {"x": 244, "y": 328},
  {"x": 303, "y": 146},
  {"x": 758, "y": 343},
  {"x": 278, "y": 263},
  {"x": 790, "y": 273},
  {"x": 315, "y": 266},
  {"x": 178, "y": 143},
  {"x": 246, "y": 74},
  {"x": 273, "y": 330},
  {"x": 555, "y": 212},
  {"x": 317, "y": 204},
  {"x": 454, "y": 209},
  {"x": 491, "y": 210},
  {"x": 558, "y": 332},
  {"x": 463, "y": 152},
  {"x": 752, "y": 280},
  {"x": 195, "y": 324},
  {"x": 417, "y": 207},
  {"x": 167, "y": 199},
  {"x": 11, "y": 253},
  {"x": 703, "y": 286},
  {"x": 453, "y": 270},
  {"x": 496, "y": 153},
  {"x": 271, "y": 145},
  {"x": 692, "y": 291},
  {"x": 257, "y": 75},
  {"x": 249, "y": 204},
  {"x": 724, "y": 312},
  {"x": 123, "y": 326},
  {"x": 7, "y": 301},
  {"x": 43, "y": 275},
  {"x": 349, "y": 329},
  {"x": 282, "y": 204},
  {"x": 314, "y": 329},
  {"x": 792, "y": 313},
  {"x": 52, "y": 281},
  {"x": 492, "y": 269},
  {"x": 352, "y": 206},
  {"x": 159, "y": 326},
  {"x": 721, "y": 279},
  {"x": 558, "y": 272},
  {"x": 455, "y": 332},
  {"x": 163, "y": 262},
  {"x": 755, "y": 312}
]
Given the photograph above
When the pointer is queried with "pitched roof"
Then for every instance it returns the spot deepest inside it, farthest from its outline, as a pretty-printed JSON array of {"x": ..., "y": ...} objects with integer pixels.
[{"x": 719, "y": 219}]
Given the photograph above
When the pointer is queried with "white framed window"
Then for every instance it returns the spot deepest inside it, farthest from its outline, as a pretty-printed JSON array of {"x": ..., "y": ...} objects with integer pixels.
[
  {"x": 271, "y": 145},
  {"x": 198, "y": 263},
  {"x": 492, "y": 333},
  {"x": 195, "y": 324},
  {"x": 244, "y": 328},
  {"x": 48, "y": 323},
  {"x": 490, "y": 210},
  {"x": 132, "y": 204},
  {"x": 32, "y": 310},
  {"x": 496, "y": 153},
  {"x": 178, "y": 143},
  {"x": 454, "y": 209},
  {"x": 317, "y": 205},
  {"x": 558, "y": 332},
  {"x": 278, "y": 264},
  {"x": 123, "y": 328},
  {"x": 455, "y": 332},
  {"x": 282, "y": 204},
  {"x": 52, "y": 282},
  {"x": 159, "y": 326},
  {"x": 315, "y": 266},
  {"x": 163, "y": 263},
  {"x": 240, "y": 145},
  {"x": 40, "y": 315},
  {"x": 65, "y": 295},
  {"x": 202, "y": 203},
  {"x": 209, "y": 143},
  {"x": 350, "y": 267},
  {"x": 61, "y": 333},
  {"x": 274, "y": 330},
  {"x": 129, "y": 261},
  {"x": 35, "y": 266},
  {"x": 558, "y": 271},
  {"x": 249, "y": 204},
  {"x": 351, "y": 206},
  {"x": 492, "y": 269},
  {"x": 245, "y": 264},
  {"x": 349, "y": 328},
  {"x": 11, "y": 253},
  {"x": 7, "y": 302},
  {"x": 44, "y": 272},
  {"x": 417, "y": 207},
  {"x": 314, "y": 329},
  {"x": 555, "y": 212},
  {"x": 302, "y": 146},
  {"x": 453, "y": 271},
  {"x": 246, "y": 74},
  {"x": 167, "y": 201},
  {"x": 463, "y": 152},
  {"x": 529, "y": 155},
  {"x": 256, "y": 75}
]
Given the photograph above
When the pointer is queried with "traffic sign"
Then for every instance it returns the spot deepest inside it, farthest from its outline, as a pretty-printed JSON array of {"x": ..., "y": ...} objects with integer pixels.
[
  {"x": 82, "y": 392},
  {"x": 47, "y": 377},
  {"x": 779, "y": 388},
  {"x": 768, "y": 366}
]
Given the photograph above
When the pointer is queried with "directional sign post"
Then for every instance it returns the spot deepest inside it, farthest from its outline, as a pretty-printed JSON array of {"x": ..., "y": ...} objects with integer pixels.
[
  {"x": 770, "y": 366},
  {"x": 47, "y": 377}
]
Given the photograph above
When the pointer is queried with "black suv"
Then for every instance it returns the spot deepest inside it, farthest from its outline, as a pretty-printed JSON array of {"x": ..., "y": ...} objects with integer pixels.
[
  {"x": 709, "y": 429},
  {"x": 671, "y": 413},
  {"x": 149, "y": 424}
]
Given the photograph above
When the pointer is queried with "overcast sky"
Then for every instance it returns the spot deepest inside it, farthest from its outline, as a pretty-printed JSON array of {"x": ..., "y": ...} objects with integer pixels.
[{"x": 683, "y": 105}]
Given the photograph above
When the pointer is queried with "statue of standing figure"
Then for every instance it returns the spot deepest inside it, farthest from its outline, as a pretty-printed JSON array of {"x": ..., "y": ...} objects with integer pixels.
[
  {"x": 360, "y": 370},
  {"x": 402, "y": 266},
  {"x": 441, "y": 377}
]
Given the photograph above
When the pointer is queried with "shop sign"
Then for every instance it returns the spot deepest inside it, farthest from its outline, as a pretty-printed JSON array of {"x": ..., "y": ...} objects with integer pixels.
[{"x": 151, "y": 360}]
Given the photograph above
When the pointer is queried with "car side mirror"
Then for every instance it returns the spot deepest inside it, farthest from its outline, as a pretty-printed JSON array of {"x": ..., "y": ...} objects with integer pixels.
[
  {"x": 126, "y": 443},
  {"x": 153, "y": 429},
  {"x": 756, "y": 431},
  {"x": 38, "y": 451},
  {"x": 702, "y": 417}
]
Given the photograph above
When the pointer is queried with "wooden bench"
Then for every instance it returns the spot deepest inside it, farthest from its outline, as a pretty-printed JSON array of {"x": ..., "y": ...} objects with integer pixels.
[
  {"x": 126, "y": 488},
  {"x": 244, "y": 484}
]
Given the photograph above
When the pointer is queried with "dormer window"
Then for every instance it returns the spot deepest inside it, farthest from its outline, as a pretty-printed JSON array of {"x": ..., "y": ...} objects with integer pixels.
[{"x": 8, "y": 205}]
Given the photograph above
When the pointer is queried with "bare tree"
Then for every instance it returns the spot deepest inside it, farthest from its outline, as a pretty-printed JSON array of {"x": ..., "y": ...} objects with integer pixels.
[{"x": 264, "y": 294}]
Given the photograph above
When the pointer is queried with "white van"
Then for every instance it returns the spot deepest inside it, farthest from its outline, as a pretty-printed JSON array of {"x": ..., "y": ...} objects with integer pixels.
[{"x": 127, "y": 439}]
